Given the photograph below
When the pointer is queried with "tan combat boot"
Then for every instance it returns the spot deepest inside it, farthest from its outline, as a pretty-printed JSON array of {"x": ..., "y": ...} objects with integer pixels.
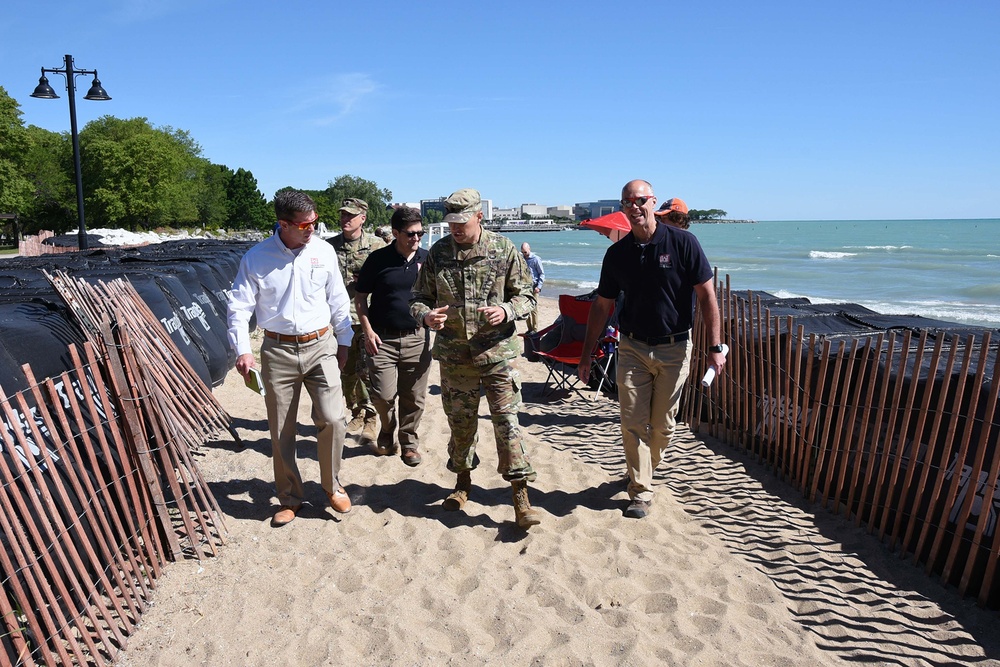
[
  {"x": 357, "y": 421},
  {"x": 525, "y": 515},
  {"x": 369, "y": 431},
  {"x": 457, "y": 499}
]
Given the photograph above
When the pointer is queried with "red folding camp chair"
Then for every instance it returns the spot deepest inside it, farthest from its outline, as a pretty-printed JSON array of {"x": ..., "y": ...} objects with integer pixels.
[{"x": 562, "y": 359}]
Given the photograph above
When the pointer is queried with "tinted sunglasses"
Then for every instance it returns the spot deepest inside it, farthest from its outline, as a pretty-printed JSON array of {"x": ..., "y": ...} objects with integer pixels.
[
  {"x": 303, "y": 226},
  {"x": 638, "y": 201},
  {"x": 415, "y": 235}
]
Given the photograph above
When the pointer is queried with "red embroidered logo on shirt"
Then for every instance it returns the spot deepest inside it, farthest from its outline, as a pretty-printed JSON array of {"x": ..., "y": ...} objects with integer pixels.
[
  {"x": 314, "y": 261},
  {"x": 665, "y": 262}
]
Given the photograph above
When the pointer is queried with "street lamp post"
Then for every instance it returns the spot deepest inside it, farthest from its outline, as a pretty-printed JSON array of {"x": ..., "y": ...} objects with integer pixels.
[{"x": 44, "y": 91}]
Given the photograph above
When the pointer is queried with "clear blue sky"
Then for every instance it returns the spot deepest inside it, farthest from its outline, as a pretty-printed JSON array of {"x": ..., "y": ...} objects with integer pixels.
[{"x": 768, "y": 110}]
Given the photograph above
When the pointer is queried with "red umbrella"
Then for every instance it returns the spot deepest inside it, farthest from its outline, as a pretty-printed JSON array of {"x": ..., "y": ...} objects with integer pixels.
[{"x": 614, "y": 225}]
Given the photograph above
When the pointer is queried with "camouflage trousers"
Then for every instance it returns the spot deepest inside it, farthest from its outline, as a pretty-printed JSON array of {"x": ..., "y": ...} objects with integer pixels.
[
  {"x": 460, "y": 389},
  {"x": 354, "y": 378}
]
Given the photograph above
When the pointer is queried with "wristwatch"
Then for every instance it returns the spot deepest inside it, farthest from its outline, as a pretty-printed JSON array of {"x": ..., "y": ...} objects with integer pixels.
[{"x": 715, "y": 348}]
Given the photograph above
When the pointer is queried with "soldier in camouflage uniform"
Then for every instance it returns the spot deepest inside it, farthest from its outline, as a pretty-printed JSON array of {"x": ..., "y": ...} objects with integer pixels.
[
  {"x": 473, "y": 287},
  {"x": 353, "y": 245}
]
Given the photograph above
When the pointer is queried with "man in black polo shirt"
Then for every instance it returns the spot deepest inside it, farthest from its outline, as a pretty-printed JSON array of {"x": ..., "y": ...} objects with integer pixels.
[
  {"x": 399, "y": 355},
  {"x": 661, "y": 270}
]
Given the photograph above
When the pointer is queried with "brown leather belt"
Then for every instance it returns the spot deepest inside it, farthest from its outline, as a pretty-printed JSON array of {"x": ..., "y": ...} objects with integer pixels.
[{"x": 304, "y": 338}]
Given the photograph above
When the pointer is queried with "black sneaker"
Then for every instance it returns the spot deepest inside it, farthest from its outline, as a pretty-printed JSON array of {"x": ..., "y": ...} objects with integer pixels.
[{"x": 638, "y": 509}]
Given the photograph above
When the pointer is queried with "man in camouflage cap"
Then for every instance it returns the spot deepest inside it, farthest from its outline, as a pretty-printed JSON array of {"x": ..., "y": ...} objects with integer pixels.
[
  {"x": 473, "y": 287},
  {"x": 353, "y": 245}
]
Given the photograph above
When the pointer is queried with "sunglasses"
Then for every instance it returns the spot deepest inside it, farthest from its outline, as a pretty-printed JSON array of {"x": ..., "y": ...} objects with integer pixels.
[
  {"x": 637, "y": 201},
  {"x": 303, "y": 226},
  {"x": 415, "y": 235}
]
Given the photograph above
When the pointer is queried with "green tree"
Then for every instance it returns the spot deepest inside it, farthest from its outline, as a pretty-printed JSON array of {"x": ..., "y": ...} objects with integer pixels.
[
  {"x": 433, "y": 217},
  {"x": 213, "y": 199},
  {"x": 48, "y": 164},
  {"x": 184, "y": 185},
  {"x": 710, "y": 214},
  {"x": 15, "y": 187},
  {"x": 352, "y": 186},
  {"x": 139, "y": 176},
  {"x": 248, "y": 209}
]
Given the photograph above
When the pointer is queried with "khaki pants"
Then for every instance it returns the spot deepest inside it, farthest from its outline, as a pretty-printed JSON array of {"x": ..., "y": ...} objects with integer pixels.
[
  {"x": 399, "y": 372},
  {"x": 650, "y": 381},
  {"x": 533, "y": 319},
  {"x": 286, "y": 367}
]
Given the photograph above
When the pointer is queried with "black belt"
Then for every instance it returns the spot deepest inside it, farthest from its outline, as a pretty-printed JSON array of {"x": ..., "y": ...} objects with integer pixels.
[
  {"x": 292, "y": 338},
  {"x": 660, "y": 340},
  {"x": 396, "y": 333}
]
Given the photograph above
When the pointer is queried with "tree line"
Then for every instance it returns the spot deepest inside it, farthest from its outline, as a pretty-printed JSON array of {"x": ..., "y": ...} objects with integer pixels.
[
  {"x": 140, "y": 177},
  {"x": 709, "y": 214}
]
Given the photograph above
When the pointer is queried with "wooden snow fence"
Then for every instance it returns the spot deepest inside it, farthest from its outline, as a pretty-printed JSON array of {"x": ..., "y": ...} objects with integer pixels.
[
  {"x": 98, "y": 483},
  {"x": 34, "y": 245},
  {"x": 895, "y": 429}
]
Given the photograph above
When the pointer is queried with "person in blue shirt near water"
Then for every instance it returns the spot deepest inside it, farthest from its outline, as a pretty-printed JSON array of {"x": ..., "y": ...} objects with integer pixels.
[{"x": 537, "y": 278}]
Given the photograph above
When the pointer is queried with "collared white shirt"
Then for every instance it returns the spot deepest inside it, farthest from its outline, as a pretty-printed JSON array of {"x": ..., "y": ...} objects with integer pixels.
[{"x": 291, "y": 293}]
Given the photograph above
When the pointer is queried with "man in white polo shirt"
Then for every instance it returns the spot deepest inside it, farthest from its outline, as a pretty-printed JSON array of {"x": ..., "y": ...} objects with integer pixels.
[{"x": 292, "y": 282}]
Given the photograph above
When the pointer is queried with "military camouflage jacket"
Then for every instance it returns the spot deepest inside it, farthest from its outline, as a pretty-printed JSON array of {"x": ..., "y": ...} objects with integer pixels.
[
  {"x": 351, "y": 255},
  {"x": 490, "y": 273}
]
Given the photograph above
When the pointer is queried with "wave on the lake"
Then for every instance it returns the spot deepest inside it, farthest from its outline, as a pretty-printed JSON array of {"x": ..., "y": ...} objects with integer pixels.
[{"x": 824, "y": 254}]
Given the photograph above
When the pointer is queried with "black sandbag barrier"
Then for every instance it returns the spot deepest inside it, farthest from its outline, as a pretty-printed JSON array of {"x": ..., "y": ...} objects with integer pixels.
[
  {"x": 38, "y": 333},
  {"x": 173, "y": 323},
  {"x": 191, "y": 304},
  {"x": 203, "y": 329},
  {"x": 34, "y": 330},
  {"x": 205, "y": 286}
]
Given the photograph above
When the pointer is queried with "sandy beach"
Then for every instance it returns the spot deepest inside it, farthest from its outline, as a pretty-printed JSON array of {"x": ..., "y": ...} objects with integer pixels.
[{"x": 731, "y": 568}]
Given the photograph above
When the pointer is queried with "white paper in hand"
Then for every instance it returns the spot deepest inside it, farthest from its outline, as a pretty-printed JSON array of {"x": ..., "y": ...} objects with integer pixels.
[{"x": 711, "y": 372}]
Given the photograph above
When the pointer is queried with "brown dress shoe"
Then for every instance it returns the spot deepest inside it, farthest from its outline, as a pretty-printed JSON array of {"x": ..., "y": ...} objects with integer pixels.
[
  {"x": 384, "y": 446},
  {"x": 340, "y": 501},
  {"x": 411, "y": 457},
  {"x": 285, "y": 515}
]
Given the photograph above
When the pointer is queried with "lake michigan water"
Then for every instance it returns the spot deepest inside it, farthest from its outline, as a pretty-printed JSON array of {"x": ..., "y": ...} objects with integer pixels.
[{"x": 942, "y": 269}]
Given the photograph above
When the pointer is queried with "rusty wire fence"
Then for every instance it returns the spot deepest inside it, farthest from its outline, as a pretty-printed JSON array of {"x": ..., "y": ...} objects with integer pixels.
[{"x": 99, "y": 488}]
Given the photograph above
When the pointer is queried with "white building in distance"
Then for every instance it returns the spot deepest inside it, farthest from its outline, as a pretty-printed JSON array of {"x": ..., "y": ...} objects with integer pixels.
[
  {"x": 506, "y": 213},
  {"x": 438, "y": 205}
]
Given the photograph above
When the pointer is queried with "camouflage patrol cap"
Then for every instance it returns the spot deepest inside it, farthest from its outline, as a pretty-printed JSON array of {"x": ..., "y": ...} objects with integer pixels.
[
  {"x": 461, "y": 205},
  {"x": 354, "y": 206}
]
